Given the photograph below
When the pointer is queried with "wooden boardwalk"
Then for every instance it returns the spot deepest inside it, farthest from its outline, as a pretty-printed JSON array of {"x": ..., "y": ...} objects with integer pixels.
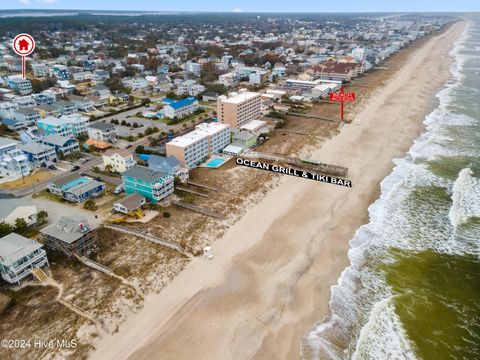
[
  {"x": 316, "y": 117},
  {"x": 149, "y": 237},
  {"x": 199, "y": 209},
  {"x": 191, "y": 191},
  {"x": 322, "y": 168}
]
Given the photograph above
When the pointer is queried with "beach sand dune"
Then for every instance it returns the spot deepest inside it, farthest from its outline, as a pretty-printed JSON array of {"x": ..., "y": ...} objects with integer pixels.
[{"x": 271, "y": 276}]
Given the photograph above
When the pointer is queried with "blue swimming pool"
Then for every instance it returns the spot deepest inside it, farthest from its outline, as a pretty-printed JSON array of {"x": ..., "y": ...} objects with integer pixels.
[{"x": 215, "y": 162}]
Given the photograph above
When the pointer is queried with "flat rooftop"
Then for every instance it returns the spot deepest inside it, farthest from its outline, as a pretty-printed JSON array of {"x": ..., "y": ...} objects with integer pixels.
[
  {"x": 201, "y": 131},
  {"x": 241, "y": 97}
]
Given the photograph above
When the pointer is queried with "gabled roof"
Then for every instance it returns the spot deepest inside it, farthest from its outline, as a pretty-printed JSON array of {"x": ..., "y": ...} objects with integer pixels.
[
  {"x": 162, "y": 162},
  {"x": 122, "y": 152},
  {"x": 57, "y": 140},
  {"x": 132, "y": 201}
]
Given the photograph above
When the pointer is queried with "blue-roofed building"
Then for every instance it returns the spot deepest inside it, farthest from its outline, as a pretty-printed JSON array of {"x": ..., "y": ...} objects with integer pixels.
[
  {"x": 181, "y": 108},
  {"x": 153, "y": 184},
  {"x": 170, "y": 165}
]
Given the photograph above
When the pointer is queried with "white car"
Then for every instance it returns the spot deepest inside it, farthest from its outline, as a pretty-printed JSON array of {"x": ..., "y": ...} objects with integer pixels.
[{"x": 119, "y": 189}]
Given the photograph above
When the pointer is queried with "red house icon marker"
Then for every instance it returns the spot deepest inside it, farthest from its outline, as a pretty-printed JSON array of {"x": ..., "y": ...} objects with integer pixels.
[{"x": 24, "y": 45}]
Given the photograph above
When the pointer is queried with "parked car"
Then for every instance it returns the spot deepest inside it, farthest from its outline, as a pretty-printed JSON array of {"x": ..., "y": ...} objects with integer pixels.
[
  {"x": 75, "y": 168},
  {"x": 128, "y": 146},
  {"x": 119, "y": 189}
]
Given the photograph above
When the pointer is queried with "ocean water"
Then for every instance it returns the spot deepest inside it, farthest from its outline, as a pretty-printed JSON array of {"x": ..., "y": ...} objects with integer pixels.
[{"x": 412, "y": 290}]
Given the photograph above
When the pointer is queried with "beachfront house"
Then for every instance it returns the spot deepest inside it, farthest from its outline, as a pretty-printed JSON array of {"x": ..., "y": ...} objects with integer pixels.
[
  {"x": 19, "y": 256},
  {"x": 152, "y": 184},
  {"x": 170, "y": 165},
  {"x": 70, "y": 235},
  {"x": 129, "y": 204}
]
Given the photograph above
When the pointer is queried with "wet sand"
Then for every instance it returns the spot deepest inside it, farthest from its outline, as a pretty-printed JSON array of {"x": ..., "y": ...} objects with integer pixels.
[{"x": 270, "y": 280}]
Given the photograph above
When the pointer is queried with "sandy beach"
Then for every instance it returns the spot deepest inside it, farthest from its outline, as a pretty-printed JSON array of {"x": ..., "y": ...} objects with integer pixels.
[{"x": 270, "y": 280}]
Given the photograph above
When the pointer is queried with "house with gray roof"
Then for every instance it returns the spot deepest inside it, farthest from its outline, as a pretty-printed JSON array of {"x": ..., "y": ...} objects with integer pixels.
[
  {"x": 15, "y": 208},
  {"x": 39, "y": 155},
  {"x": 153, "y": 184},
  {"x": 62, "y": 144},
  {"x": 102, "y": 131},
  {"x": 170, "y": 164},
  {"x": 19, "y": 256},
  {"x": 70, "y": 235}
]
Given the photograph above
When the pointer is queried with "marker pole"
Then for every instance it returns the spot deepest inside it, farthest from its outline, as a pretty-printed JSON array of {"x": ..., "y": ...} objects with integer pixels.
[
  {"x": 341, "y": 106},
  {"x": 23, "y": 67}
]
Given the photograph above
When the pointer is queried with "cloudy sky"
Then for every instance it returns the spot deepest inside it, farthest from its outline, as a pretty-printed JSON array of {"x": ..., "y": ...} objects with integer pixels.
[{"x": 249, "y": 5}]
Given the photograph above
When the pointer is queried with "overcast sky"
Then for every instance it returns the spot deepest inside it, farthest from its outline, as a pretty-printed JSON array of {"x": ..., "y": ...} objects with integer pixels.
[{"x": 249, "y": 5}]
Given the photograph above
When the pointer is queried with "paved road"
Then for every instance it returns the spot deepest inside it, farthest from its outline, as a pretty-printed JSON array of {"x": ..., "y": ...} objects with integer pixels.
[{"x": 95, "y": 161}]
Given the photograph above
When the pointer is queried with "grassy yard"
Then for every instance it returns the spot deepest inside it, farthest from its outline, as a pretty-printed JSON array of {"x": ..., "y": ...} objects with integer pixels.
[{"x": 36, "y": 177}]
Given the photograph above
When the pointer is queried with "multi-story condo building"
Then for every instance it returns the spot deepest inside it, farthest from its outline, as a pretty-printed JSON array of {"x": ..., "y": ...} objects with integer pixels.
[
  {"x": 102, "y": 131},
  {"x": 14, "y": 163},
  {"x": 39, "y": 155},
  {"x": 19, "y": 85},
  {"x": 181, "y": 108},
  {"x": 194, "y": 147},
  {"x": 119, "y": 160},
  {"x": 19, "y": 256},
  {"x": 68, "y": 125},
  {"x": 238, "y": 109},
  {"x": 152, "y": 184}
]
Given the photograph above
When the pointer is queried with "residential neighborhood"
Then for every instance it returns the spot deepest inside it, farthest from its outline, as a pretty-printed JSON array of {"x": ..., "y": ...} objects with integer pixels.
[{"x": 119, "y": 144}]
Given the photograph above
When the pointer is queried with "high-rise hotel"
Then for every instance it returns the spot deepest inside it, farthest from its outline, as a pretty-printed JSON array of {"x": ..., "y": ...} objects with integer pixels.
[{"x": 238, "y": 109}]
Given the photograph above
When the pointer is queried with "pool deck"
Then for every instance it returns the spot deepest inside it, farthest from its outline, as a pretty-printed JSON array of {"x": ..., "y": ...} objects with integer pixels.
[{"x": 223, "y": 157}]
